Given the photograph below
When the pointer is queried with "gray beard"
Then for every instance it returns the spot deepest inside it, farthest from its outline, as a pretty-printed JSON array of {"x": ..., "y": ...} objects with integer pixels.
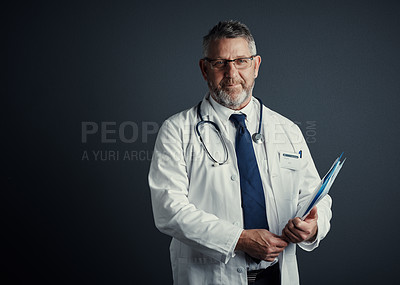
[{"x": 226, "y": 100}]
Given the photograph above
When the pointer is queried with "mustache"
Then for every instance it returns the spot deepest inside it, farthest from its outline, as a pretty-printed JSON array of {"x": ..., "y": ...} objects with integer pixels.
[{"x": 226, "y": 82}]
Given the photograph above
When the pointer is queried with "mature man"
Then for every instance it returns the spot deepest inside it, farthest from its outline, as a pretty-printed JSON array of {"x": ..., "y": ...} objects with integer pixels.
[{"x": 229, "y": 199}]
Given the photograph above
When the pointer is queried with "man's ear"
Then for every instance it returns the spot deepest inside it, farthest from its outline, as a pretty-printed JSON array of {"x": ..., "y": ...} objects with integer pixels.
[
  {"x": 257, "y": 63},
  {"x": 203, "y": 68}
]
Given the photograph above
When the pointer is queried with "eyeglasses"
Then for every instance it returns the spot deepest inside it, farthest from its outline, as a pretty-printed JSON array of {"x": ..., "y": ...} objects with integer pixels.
[{"x": 239, "y": 63}]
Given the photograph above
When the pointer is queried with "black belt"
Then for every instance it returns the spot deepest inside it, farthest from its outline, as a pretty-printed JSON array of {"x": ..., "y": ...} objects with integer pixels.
[{"x": 271, "y": 276}]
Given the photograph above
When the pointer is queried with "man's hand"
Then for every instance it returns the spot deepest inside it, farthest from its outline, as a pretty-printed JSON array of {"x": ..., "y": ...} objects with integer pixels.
[
  {"x": 261, "y": 244},
  {"x": 297, "y": 230}
]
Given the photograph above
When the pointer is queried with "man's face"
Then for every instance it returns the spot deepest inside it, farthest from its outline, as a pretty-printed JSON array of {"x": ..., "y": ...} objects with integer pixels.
[{"x": 230, "y": 86}]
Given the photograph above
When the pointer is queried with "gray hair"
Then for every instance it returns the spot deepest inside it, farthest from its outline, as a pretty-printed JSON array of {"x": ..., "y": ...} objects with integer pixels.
[{"x": 229, "y": 29}]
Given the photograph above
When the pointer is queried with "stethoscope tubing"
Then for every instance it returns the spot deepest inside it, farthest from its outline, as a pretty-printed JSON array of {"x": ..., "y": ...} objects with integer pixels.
[{"x": 257, "y": 137}]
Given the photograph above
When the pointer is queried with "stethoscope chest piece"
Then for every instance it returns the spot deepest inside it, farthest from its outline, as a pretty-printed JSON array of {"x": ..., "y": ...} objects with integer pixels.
[{"x": 257, "y": 138}]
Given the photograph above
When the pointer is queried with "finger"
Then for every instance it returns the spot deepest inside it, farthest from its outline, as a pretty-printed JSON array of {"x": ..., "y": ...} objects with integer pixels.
[
  {"x": 278, "y": 250},
  {"x": 271, "y": 258},
  {"x": 284, "y": 236},
  {"x": 296, "y": 227},
  {"x": 288, "y": 234},
  {"x": 293, "y": 237},
  {"x": 281, "y": 243},
  {"x": 298, "y": 224},
  {"x": 301, "y": 227},
  {"x": 313, "y": 214},
  {"x": 297, "y": 221}
]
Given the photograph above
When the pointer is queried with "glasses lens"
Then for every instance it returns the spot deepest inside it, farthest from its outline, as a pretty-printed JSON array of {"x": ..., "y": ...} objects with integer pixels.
[
  {"x": 242, "y": 63},
  {"x": 218, "y": 64}
]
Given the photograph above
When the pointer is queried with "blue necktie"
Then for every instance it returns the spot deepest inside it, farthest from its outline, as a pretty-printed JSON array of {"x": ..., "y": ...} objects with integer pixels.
[{"x": 253, "y": 200}]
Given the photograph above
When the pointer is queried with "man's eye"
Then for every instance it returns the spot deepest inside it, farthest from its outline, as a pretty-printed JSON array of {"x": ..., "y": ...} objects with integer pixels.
[
  {"x": 219, "y": 62},
  {"x": 241, "y": 61}
]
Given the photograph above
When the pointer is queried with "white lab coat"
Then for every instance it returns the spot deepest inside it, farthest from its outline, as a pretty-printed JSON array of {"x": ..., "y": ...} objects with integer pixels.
[{"x": 199, "y": 205}]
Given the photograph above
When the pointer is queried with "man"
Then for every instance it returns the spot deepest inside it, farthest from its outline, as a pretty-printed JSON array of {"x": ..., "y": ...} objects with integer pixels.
[{"x": 228, "y": 201}]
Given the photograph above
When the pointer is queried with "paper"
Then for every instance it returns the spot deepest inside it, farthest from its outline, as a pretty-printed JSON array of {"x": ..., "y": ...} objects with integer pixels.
[{"x": 322, "y": 189}]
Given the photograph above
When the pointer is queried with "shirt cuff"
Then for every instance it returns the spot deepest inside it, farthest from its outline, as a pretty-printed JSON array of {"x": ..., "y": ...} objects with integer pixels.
[{"x": 232, "y": 252}]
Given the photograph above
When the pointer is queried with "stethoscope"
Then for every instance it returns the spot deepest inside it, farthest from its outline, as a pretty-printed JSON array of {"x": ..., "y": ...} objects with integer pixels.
[{"x": 256, "y": 137}]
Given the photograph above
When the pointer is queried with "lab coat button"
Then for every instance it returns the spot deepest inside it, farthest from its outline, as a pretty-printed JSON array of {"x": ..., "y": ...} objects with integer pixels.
[
  {"x": 240, "y": 270},
  {"x": 233, "y": 177}
]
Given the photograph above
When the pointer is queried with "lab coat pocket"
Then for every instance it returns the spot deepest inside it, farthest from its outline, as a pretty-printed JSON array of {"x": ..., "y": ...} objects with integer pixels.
[
  {"x": 199, "y": 270},
  {"x": 288, "y": 194},
  {"x": 289, "y": 183}
]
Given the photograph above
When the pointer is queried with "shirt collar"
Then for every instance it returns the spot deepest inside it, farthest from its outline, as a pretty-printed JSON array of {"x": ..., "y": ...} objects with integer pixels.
[{"x": 224, "y": 112}]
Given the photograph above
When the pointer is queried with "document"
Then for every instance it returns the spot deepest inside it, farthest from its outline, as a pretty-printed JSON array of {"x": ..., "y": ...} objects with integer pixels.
[{"x": 322, "y": 189}]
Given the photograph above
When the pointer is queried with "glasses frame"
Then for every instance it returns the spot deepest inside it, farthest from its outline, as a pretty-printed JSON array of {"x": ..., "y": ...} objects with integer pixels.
[{"x": 226, "y": 61}]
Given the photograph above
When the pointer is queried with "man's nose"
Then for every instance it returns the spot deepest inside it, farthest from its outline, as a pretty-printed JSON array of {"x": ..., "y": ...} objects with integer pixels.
[{"x": 230, "y": 69}]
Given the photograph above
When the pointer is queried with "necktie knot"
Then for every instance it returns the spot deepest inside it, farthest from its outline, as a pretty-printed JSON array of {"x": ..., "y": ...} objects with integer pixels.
[{"x": 238, "y": 120}]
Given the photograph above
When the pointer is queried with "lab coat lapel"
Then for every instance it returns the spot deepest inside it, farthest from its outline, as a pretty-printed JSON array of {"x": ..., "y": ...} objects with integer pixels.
[{"x": 269, "y": 129}]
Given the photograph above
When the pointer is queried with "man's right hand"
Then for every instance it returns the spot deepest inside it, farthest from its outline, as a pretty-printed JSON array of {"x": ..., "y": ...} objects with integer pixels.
[{"x": 261, "y": 244}]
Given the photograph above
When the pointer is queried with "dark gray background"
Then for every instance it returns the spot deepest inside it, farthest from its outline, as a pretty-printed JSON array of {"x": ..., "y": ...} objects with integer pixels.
[{"x": 66, "y": 220}]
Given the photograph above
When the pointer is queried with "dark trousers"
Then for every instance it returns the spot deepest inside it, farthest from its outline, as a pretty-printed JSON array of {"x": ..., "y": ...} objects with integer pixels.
[{"x": 268, "y": 276}]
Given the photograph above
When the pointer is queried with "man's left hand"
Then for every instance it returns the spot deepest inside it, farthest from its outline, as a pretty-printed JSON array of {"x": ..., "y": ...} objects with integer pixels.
[{"x": 297, "y": 230}]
